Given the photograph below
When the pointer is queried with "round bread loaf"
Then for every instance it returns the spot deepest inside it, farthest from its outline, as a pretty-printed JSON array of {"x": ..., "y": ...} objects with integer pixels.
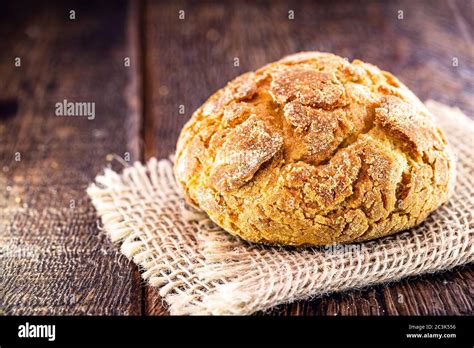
[{"x": 314, "y": 150}]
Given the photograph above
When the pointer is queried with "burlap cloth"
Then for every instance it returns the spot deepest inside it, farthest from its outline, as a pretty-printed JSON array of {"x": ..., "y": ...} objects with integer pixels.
[{"x": 200, "y": 269}]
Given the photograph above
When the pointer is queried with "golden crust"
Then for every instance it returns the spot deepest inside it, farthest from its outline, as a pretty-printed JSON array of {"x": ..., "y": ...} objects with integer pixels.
[{"x": 314, "y": 150}]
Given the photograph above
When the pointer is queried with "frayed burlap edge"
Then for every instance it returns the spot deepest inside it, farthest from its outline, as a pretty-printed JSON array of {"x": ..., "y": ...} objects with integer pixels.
[{"x": 200, "y": 269}]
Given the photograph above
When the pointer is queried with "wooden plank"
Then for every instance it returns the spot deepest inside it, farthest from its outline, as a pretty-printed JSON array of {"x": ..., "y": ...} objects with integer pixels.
[
  {"x": 53, "y": 257},
  {"x": 187, "y": 60}
]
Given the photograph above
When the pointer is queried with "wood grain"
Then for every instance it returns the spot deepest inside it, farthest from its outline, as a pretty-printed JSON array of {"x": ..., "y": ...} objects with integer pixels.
[
  {"x": 187, "y": 60},
  {"x": 54, "y": 259}
]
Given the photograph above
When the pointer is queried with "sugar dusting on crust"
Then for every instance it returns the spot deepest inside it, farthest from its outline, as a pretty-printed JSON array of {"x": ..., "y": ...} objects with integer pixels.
[
  {"x": 316, "y": 129},
  {"x": 403, "y": 121},
  {"x": 246, "y": 148},
  {"x": 241, "y": 88},
  {"x": 236, "y": 113},
  {"x": 308, "y": 86}
]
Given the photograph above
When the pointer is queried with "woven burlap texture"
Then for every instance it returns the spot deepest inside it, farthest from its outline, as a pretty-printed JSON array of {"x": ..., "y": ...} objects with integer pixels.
[{"x": 200, "y": 269}]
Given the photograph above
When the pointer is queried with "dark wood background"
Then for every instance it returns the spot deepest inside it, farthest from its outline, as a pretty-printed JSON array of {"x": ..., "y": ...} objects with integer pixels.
[{"x": 54, "y": 258}]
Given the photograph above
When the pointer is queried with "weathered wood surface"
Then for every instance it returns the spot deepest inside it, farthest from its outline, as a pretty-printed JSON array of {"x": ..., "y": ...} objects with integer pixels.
[{"x": 54, "y": 259}]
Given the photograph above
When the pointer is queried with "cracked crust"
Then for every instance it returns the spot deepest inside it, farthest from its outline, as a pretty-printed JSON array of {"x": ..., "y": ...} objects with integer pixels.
[{"x": 314, "y": 150}]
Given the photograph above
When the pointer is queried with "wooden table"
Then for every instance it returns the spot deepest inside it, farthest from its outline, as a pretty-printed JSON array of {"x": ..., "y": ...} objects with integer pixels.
[{"x": 54, "y": 258}]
